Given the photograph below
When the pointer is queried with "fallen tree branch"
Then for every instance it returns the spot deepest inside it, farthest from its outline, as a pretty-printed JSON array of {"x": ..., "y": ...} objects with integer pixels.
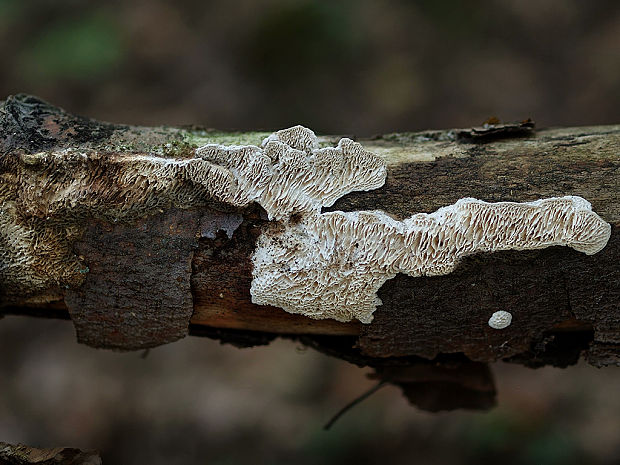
[
  {"x": 19, "y": 454},
  {"x": 146, "y": 262}
]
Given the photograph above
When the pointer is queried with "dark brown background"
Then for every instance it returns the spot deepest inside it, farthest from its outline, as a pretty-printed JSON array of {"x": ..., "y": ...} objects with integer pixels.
[{"x": 349, "y": 67}]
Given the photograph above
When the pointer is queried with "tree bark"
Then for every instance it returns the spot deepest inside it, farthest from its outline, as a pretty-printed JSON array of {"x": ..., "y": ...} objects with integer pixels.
[
  {"x": 147, "y": 277},
  {"x": 19, "y": 454}
]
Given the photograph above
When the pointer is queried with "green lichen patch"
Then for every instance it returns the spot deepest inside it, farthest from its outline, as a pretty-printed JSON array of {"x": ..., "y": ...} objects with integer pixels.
[{"x": 197, "y": 138}]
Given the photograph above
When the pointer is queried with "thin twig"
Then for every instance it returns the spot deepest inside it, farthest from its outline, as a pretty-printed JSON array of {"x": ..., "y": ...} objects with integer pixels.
[{"x": 354, "y": 402}]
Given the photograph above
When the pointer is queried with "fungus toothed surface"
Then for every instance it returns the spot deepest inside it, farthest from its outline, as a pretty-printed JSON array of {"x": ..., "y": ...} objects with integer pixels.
[
  {"x": 47, "y": 199},
  {"x": 331, "y": 265},
  {"x": 322, "y": 265},
  {"x": 291, "y": 174}
]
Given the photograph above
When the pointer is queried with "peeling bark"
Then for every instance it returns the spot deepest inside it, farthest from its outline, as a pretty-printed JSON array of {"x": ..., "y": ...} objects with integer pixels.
[{"x": 122, "y": 260}]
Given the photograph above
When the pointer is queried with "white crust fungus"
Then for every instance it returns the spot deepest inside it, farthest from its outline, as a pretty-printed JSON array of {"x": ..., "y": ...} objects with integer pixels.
[
  {"x": 322, "y": 265},
  {"x": 52, "y": 195},
  {"x": 290, "y": 174},
  {"x": 331, "y": 265},
  {"x": 500, "y": 320}
]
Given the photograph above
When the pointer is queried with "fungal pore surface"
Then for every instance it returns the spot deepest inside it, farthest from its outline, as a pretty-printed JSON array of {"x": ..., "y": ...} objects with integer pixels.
[{"x": 331, "y": 265}]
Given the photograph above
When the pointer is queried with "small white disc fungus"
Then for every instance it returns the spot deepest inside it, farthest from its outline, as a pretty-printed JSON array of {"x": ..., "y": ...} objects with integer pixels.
[{"x": 500, "y": 320}]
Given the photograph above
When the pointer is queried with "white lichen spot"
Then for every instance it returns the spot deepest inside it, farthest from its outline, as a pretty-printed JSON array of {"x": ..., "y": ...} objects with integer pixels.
[
  {"x": 500, "y": 320},
  {"x": 331, "y": 265}
]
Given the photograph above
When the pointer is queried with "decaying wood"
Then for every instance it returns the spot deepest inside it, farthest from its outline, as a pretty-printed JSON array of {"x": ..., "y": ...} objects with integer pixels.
[
  {"x": 19, "y": 454},
  {"x": 148, "y": 277}
]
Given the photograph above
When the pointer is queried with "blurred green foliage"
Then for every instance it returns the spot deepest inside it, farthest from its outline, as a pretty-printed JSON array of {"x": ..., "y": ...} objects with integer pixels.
[
  {"x": 526, "y": 440},
  {"x": 10, "y": 11},
  {"x": 298, "y": 34},
  {"x": 354, "y": 66},
  {"x": 86, "y": 47}
]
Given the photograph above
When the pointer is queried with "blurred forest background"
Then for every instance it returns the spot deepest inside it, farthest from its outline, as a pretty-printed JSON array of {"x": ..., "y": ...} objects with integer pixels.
[{"x": 339, "y": 67}]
